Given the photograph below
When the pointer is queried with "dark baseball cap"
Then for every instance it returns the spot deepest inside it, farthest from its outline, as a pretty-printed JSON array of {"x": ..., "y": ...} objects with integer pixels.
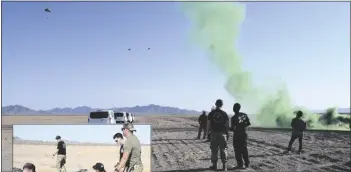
[
  {"x": 58, "y": 137},
  {"x": 99, "y": 166},
  {"x": 29, "y": 166}
]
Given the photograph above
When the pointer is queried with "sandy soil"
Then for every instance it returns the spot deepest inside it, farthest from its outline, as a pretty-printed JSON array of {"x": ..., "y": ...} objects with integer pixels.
[
  {"x": 175, "y": 149},
  {"x": 78, "y": 156}
]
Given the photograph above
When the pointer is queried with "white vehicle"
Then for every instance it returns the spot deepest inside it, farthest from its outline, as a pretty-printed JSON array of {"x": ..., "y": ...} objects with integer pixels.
[
  {"x": 133, "y": 118},
  {"x": 102, "y": 117},
  {"x": 121, "y": 117},
  {"x": 130, "y": 117}
]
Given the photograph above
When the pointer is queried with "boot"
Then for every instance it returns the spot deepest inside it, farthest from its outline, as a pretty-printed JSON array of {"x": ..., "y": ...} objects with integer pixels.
[
  {"x": 214, "y": 166},
  {"x": 224, "y": 167}
]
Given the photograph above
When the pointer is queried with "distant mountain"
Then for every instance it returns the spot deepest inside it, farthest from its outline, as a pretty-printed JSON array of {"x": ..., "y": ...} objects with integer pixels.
[{"x": 83, "y": 110}]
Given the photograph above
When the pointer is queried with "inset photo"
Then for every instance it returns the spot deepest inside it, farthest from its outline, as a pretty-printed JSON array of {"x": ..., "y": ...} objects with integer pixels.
[{"x": 82, "y": 148}]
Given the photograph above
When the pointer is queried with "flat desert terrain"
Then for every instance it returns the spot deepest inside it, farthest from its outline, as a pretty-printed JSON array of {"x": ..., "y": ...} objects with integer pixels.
[
  {"x": 174, "y": 147},
  {"x": 78, "y": 156}
]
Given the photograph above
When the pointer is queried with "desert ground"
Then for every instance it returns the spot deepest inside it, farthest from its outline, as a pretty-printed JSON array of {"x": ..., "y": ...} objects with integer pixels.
[
  {"x": 78, "y": 156},
  {"x": 174, "y": 147}
]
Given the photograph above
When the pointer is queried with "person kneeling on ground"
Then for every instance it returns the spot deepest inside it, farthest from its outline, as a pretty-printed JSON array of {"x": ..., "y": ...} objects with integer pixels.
[
  {"x": 29, "y": 167},
  {"x": 99, "y": 167},
  {"x": 118, "y": 137}
]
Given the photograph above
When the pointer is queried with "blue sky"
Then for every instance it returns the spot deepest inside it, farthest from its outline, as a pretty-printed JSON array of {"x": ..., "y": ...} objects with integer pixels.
[
  {"x": 79, "y": 56},
  {"x": 80, "y": 133}
]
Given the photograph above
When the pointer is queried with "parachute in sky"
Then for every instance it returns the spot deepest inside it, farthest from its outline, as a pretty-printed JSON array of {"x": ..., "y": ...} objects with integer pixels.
[{"x": 47, "y": 10}]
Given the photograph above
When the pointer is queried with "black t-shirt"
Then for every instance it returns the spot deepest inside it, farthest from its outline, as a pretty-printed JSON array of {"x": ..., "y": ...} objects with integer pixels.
[
  {"x": 218, "y": 120},
  {"x": 203, "y": 119},
  {"x": 61, "y": 146},
  {"x": 121, "y": 150},
  {"x": 239, "y": 122}
]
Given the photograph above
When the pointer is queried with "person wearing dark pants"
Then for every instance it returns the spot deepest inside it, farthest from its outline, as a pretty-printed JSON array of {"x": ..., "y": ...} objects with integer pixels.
[
  {"x": 203, "y": 125},
  {"x": 298, "y": 127},
  {"x": 239, "y": 122},
  {"x": 218, "y": 123}
]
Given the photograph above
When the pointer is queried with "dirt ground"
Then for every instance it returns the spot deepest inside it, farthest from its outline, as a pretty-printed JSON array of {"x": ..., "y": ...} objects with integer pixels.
[
  {"x": 175, "y": 149},
  {"x": 78, "y": 156}
]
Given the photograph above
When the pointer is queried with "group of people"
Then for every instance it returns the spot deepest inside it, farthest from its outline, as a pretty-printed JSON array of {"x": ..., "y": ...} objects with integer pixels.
[
  {"x": 216, "y": 124},
  {"x": 129, "y": 153}
]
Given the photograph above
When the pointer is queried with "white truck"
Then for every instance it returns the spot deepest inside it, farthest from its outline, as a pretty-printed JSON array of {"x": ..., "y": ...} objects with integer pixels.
[{"x": 102, "y": 117}]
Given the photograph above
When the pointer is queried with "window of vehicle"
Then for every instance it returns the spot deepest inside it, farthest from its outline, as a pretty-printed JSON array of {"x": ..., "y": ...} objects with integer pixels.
[
  {"x": 119, "y": 114},
  {"x": 98, "y": 115}
]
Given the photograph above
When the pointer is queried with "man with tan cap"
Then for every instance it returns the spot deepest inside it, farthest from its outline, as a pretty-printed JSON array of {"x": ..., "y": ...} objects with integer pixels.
[{"x": 132, "y": 150}]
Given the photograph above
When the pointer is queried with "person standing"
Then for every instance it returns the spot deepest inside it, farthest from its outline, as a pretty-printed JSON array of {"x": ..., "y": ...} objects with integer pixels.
[
  {"x": 99, "y": 167},
  {"x": 203, "y": 125},
  {"x": 118, "y": 137},
  {"x": 239, "y": 122},
  {"x": 61, "y": 155},
  {"x": 298, "y": 127},
  {"x": 132, "y": 150},
  {"x": 218, "y": 123}
]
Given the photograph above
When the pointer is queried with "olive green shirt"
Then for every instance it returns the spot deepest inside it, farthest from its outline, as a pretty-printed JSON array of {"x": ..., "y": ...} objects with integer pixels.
[{"x": 133, "y": 147}]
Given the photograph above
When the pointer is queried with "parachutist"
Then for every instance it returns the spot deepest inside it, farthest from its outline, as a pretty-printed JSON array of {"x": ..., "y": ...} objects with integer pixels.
[{"x": 129, "y": 49}]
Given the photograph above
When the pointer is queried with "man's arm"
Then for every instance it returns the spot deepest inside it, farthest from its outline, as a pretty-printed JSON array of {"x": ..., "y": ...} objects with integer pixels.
[
  {"x": 292, "y": 123},
  {"x": 199, "y": 120},
  {"x": 123, "y": 161},
  {"x": 59, "y": 145},
  {"x": 127, "y": 150}
]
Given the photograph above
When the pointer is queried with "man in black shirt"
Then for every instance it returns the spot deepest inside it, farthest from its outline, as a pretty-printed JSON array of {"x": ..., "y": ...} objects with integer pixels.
[
  {"x": 203, "y": 125},
  {"x": 118, "y": 137},
  {"x": 298, "y": 127},
  {"x": 239, "y": 122},
  {"x": 218, "y": 123},
  {"x": 61, "y": 155}
]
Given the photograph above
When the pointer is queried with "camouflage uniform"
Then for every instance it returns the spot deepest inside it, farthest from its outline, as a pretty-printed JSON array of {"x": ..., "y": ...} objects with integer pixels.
[{"x": 219, "y": 133}]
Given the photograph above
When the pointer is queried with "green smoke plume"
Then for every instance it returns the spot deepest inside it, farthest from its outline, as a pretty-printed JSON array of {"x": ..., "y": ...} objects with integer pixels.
[{"x": 216, "y": 27}]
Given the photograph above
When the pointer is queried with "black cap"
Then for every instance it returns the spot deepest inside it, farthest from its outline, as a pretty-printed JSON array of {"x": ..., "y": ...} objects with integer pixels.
[
  {"x": 58, "y": 137},
  {"x": 219, "y": 103},
  {"x": 29, "y": 166},
  {"x": 99, "y": 166}
]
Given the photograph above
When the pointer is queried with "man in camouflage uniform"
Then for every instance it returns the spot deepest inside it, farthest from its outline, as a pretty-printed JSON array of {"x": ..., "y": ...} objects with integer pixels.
[
  {"x": 132, "y": 150},
  {"x": 218, "y": 122},
  {"x": 203, "y": 125}
]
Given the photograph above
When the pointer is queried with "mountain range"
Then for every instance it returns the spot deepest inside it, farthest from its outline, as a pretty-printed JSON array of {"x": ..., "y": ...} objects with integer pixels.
[
  {"x": 83, "y": 110},
  {"x": 140, "y": 110}
]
